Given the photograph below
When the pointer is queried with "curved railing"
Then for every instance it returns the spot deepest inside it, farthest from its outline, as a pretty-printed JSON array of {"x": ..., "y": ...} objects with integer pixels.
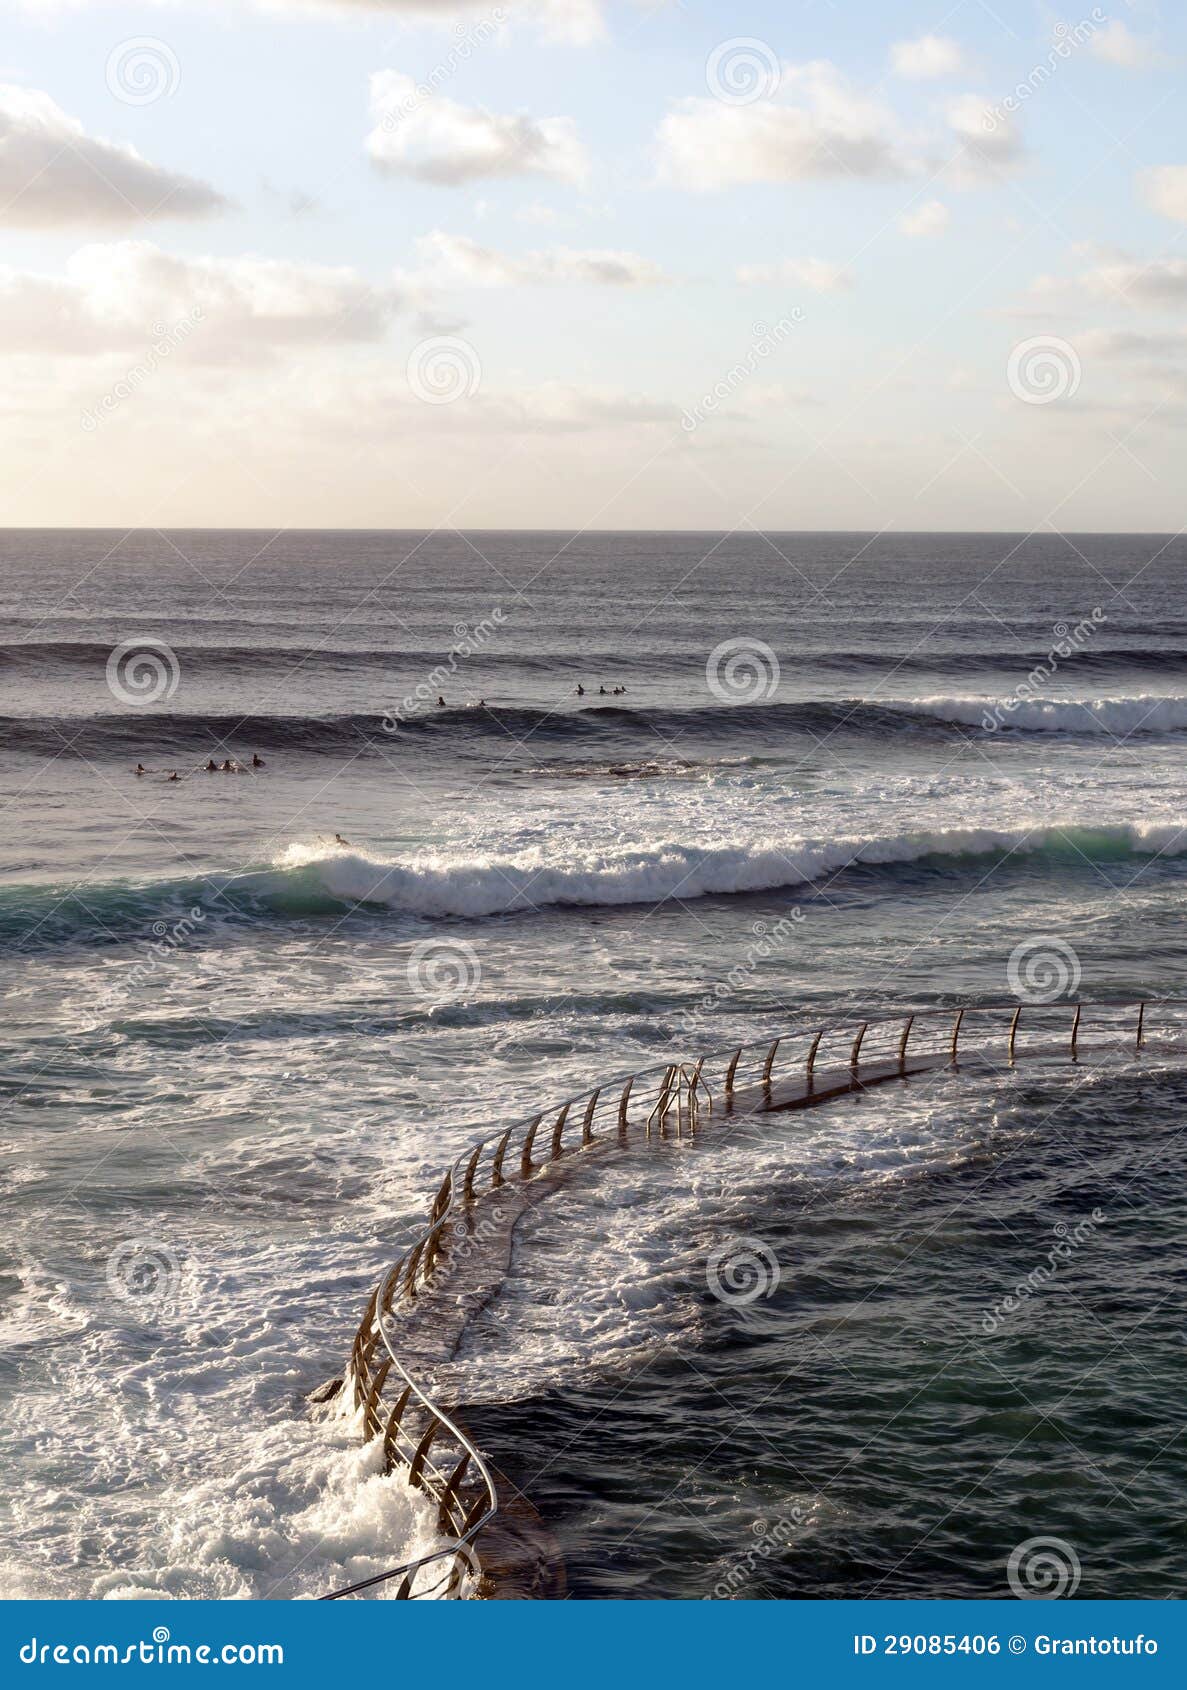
[{"x": 764, "y": 1075}]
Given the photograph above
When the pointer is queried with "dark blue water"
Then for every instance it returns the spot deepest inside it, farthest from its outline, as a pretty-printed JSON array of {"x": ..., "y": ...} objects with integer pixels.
[{"x": 236, "y": 1052}]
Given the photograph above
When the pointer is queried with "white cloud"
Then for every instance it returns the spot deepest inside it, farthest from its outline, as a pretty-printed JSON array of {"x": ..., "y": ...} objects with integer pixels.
[
  {"x": 128, "y": 293},
  {"x": 927, "y": 56},
  {"x": 930, "y": 218},
  {"x": 422, "y": 134},
  {"x": 987, "y": 137},
  {"x": 1116, "y": 44},
  {"x": 1165, "y": 189},
  {"x": 52, "y": 173},
  {"x": 816, "y": 126},
  {"x": 453, "y": 260},
  {"x": 1160, "y": 282},
  {"x": 813, "y": 273}
]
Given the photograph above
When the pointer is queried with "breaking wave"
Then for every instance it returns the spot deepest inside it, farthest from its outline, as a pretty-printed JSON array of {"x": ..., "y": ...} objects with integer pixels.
[{"x": 308, "y": 880}]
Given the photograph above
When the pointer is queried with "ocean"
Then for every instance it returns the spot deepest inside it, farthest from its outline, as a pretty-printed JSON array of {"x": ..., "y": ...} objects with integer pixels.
[{"x": 250, "y": 1016}]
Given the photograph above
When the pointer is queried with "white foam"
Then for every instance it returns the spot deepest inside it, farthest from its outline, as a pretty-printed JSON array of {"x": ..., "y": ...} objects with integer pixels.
[
  {"x": 464, "y": 884},
  {"x": 1138, "y": 713}
]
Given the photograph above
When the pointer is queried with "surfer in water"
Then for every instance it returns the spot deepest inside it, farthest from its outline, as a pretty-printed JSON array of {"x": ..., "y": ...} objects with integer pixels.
[
  {"x": 140, "y": 769},
  {"x": 211, "y": 766},
  {"x": 338, "y": 840},
  {"x": 257, "y": 762},
  {"x": 580, "y": 690}
]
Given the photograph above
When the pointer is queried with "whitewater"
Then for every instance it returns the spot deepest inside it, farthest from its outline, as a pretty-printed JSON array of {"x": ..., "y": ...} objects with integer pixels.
[{"x": 236, "y": 1056}]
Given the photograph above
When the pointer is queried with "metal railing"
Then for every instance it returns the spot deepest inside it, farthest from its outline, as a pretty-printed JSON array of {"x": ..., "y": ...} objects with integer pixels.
[{"x": 783, "y": 1071}]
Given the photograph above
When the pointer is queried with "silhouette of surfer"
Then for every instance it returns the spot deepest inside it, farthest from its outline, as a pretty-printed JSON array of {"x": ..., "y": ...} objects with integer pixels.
[
  {"x": 338, "y": 840},
  {"x": 211, "y": 766},
  {"x": 257, "y": 762},
  {"x": 580, "y": 690},
  {"x": 140, "y": 769}
]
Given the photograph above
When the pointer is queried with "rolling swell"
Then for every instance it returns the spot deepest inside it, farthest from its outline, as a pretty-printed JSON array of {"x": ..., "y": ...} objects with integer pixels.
[
  {"x": 147, "y": 732},
  {"x": 310, "y": 881}
]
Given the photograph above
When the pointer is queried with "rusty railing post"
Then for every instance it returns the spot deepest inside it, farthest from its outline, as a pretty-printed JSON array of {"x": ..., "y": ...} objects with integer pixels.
[
  {"x": 902, "y": 1044},
  {"x": 956, "y": 1032},
  {"x": 730, "y": 1072},
  {"x": 1014, "y": 1020},
  {"x": 769, "y": 1064},
  {"x": 587, "y": 1121},
  {"x": 1076, "y": 1030},
  {"x": 1141, "y": 1024},
  {"x": 855, "y": 1053},
  {"x": 810, "y": 1067},
  {"x": 525, "y": 1156},
  {"x": 622, "y": 1103}
]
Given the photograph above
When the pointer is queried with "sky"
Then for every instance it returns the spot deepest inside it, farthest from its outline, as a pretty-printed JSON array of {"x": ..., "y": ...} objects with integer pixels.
[{"x": 593, "y": 264}]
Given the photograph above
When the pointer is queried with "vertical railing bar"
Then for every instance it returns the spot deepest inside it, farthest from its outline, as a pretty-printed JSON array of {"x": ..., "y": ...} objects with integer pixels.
[
  {"x": 525, "y": 1155},
  {"x": 555, "y": 1148},
  {"x": 730, "y": 1072},
  {"x": 1014, "y": 1020},
  {"x": 810, "y": 1069},
  {"x": 587, "y": 1122},
  {"x": 1076, "y": 1030},
  {"x": 471, "y": 1170},
  {"x": 1141, "y": 1023},
  {"x": 855, "y": 1053},
  {"x": 902, "y": 1044},
  {"x": 622, "y": 1103},
  {"x": 956, "y": 1033},
  {"x": 496, "y": 1167}
]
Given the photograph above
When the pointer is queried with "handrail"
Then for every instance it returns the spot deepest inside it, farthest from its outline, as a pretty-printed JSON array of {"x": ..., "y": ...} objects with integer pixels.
[{"x": 467, "y": 1495}]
